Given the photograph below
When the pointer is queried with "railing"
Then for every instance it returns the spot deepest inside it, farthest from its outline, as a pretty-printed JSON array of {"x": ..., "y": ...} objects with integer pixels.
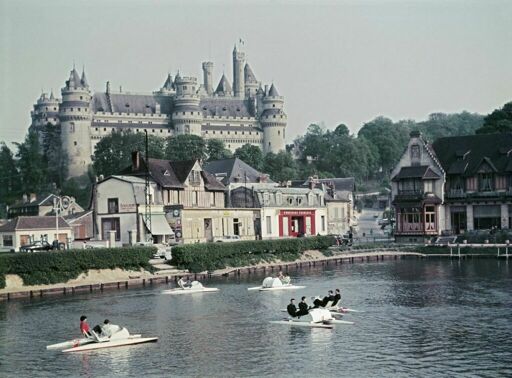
[{"x": 410, "y": 192}]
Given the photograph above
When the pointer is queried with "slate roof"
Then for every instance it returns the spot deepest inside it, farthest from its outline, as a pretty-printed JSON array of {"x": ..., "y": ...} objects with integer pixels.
[
  {"x": 420, "y": 171},
  {"x": 33, "y": 223},
  {"x": 224, "y": 86},
  {"x": 249, "y": 75},
  {"x": 225, "y": 107},
  {"x": 41, "y": 200},
  {"x": 273, "y": 91},
  {"x": 173, "y": 174},
  {"x": 465, "y": 154},
  {"x": 234, "y": 170},
  {"x": 73, "y": 217},
  {"x": 130, "y": 103}
]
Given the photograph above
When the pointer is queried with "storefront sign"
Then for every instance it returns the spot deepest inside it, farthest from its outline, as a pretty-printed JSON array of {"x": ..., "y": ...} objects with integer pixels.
[
  {"x": 128, "y": 207},
  {"x": 297, "y": 212}
]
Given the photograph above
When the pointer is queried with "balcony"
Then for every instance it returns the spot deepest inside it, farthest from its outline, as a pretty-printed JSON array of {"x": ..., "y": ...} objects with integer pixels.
[
  {"x": 409, "y": 195},
  {"x": 456, "y": 193}
]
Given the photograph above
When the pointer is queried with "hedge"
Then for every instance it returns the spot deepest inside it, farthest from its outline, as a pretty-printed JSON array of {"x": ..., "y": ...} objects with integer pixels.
[
  {"x": 43, "y": 268},
  {"x": 211, "y": 256}
]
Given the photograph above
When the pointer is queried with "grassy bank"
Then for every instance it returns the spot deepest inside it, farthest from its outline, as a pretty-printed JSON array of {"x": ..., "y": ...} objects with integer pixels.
[
  {"x": 44, "y": 268},
  {"x": 212, "y": 256}
]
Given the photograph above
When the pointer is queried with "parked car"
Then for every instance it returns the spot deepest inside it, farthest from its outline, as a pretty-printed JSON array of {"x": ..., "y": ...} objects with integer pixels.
[
  {"x": 227, "y": 238},
  {"x": 36, "y": 246}
]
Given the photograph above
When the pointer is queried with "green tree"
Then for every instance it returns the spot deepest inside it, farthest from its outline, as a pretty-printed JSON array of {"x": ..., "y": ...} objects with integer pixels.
[
  {"x": 79, "y": 189},
  {"x": 499, "y": 121},
  {"x": 280, "y": 166},
  {"x": 32, "y": 165},
  {"x": 9, "y": 178},
  {"x": 52, "y": 150},
  {"x": 185, "y": 147},
  {"x": 113, "y": 152},
  {"x": 250, "y": 154},
  {"x": 216, "y": 150}
]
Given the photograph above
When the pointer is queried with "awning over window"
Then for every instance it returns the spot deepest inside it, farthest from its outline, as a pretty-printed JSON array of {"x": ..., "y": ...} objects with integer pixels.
[{"x": 159, "y": 225}]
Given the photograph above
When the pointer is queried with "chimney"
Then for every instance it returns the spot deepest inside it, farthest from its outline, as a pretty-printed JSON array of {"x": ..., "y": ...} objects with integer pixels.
[
  {"x": 32, "y": 197},
  {"x": 311, "y": 183},
  {"x": 135, "y": 161}
]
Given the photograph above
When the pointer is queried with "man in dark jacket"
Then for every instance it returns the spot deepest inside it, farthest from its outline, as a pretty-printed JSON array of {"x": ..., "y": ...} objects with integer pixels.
[
  {"x": 328, "y": 298},
  {"x": 303, "y": 307},
  {"x": 337, "y": 298},
  {"x": 292, "y": 309}
]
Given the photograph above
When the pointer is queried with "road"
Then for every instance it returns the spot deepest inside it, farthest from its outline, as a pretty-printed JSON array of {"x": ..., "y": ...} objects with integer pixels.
[{"x": 367, "y": 224}]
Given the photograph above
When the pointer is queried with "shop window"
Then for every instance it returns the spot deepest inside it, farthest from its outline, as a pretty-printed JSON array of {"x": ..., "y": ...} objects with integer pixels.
[
  {"x": 110, "y": 224},
  {"x": 7, "y": 241}
]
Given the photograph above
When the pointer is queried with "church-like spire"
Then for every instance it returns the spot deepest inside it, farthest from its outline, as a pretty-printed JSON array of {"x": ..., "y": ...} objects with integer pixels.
[
  {"x": 51, "y": 95},
  {"x": 273, "y": 91},
  {"x": 224, "y": 88},
  {"x": 168, "y": 85}
]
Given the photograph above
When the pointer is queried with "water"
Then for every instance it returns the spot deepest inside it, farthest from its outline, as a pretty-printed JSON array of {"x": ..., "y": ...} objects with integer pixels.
[{"x": 431, "y": 318}]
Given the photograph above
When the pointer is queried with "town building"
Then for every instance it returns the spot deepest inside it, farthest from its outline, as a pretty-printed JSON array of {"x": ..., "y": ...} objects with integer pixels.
[
  {"x": 187, "y": 204},
  {"x": 42, "y": 204},
  {"x": 283, "y": 211},
  {"x": 245, "y": 112},
  {"x": 25, "y": 230},
  {"x": 455, "y": 185}
]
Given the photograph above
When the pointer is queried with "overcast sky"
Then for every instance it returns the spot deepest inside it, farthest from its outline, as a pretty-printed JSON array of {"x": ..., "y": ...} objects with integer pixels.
[{"x": 336, "y": 62}]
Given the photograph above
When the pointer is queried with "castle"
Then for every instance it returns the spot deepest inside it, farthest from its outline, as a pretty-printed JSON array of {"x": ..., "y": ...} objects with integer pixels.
[{"x": 243, "y": 113}]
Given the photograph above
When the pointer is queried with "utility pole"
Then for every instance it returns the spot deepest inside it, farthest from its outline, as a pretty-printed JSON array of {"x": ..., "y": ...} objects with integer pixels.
[{"x": 147, "y": 191}]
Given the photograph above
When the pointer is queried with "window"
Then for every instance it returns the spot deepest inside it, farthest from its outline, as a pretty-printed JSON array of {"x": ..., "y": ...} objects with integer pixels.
[
  {"x": 72, "y": 127},
  {"x": 113, "y": 205},
  {"x": 75, "y": 143},
  {"x": 486, "y": 182},
  {"x": 236, "y": 226},
  {"x": 269, "y": 224},
  {"x": 322, "y": 220},
  {"x": 7, "y": 240},
  {"x": 194, "y": 198},
  {"x": 195, "y": 178}
]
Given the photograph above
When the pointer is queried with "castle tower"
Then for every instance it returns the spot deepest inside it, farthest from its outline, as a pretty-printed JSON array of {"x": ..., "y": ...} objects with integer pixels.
[
  {"x": 75, "y": 117},
  {"x": 238, "y": 73},
  {"x": 273, "y": 121},
  {"x": 208, "y": 77},
  {"x": 46, "y": 112},
  {"x": 251, "y": 84},
  {"x": 187, "y": 116},
  {"x": 168, "y": 87}
]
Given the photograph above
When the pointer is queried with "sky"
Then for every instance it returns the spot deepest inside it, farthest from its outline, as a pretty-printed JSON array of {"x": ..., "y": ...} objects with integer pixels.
[{"x": 333, "y": 61}]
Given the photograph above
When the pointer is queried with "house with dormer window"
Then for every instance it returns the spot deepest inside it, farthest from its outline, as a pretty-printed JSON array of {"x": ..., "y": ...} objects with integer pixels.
[{"x": 455, "y": 185}]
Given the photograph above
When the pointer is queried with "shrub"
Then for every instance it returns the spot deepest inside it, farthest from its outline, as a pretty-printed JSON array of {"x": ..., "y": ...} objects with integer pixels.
[
  {"x": 211, "y": 256},
  {"x": 44, "y": 268}
]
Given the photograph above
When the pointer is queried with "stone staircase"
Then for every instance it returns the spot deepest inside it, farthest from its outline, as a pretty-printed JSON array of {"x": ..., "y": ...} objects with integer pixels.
[{"x": 163, "y": 269}]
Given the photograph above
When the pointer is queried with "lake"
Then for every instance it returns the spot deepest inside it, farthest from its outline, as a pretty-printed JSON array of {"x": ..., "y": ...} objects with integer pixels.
[{"x": 431, "y": 318}]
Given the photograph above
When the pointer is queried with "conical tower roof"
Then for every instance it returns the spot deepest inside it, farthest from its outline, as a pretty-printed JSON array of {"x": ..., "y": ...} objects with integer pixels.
[
  {"x": 74, "y": 78},
  {"x": 249, "y": 75},
  {"x": 168, "y": 83},
  {"x": 273, "y": 91},
  {"x": 224, "y": 87},
  {"x": 83, "y": 80}
]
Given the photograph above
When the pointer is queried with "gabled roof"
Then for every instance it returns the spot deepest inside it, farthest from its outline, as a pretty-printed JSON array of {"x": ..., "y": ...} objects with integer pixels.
[
  {"x": 224, "y": 87},
  {"x": 40, "y": 200},
  {"x": 33, "y": 223},
  {"x": 172, "y": 174},
  {"x": 234, "y": 170},
  {"x": 465, "y": 154},
  {"x": 423, "y": 172},
  {"x": 75, "y": 216}
]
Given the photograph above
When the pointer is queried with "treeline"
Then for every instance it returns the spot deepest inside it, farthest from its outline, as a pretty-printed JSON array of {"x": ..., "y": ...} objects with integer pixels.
[{"x": 39, "y": 166}]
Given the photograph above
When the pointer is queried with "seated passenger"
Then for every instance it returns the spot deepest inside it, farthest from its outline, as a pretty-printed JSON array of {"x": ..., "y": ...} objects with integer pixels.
[
  {"x": 303, "y": 307},
  {"x": 292, "y": 309},
  {"x": 317, "y": 302},
  {"x": 328, "y": 298},
  {"x": 108, "y": 329},
  {"x": 280, "y": 275},
  {"x": 286, "y": 279},
  {"x": 337, "y": 298},
  {"x": 184, "y": 283}
]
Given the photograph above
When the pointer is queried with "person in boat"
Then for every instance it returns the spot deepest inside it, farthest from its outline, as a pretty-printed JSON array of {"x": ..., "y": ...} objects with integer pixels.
[
  {"x": 184, "y": 283},
  {"x": 328, "y": 298},
  {"x": 286, "y": 279},
  {"x": 280, "y": 275},
  {"x": 292, "y": 309},
  {"x": 108, "y": 329},
  {"x": 317, "y": 302},
  {"x": 303, "y": 307},
  {"x": 85, "y": 329},
  {"x": 337, "y": 298}
]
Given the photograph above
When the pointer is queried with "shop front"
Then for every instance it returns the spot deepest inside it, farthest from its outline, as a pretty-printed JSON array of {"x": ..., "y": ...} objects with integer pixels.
[{"x": 296, "y": 222}]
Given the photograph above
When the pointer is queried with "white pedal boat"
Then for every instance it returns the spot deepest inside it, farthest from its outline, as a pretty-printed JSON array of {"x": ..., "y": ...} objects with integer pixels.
[
  {"x": 196, "y": 287},
  {"x": 274, "y": 284},
  {"x": 316, "y": 318},
  {"x": 120, "y": 338}
]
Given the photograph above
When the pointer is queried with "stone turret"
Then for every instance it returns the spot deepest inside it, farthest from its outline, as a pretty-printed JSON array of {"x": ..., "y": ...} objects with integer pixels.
[
  {"x": 187, "y": 116},
  {"x": 75, "y": 117},
  {"x": 46, "y": 112},
  {"x": 208, "y": 77},
  {"x": 273, "y": 121},
  {"x": 168, "y": 87},
  {"x": 238, "y": 73}
]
